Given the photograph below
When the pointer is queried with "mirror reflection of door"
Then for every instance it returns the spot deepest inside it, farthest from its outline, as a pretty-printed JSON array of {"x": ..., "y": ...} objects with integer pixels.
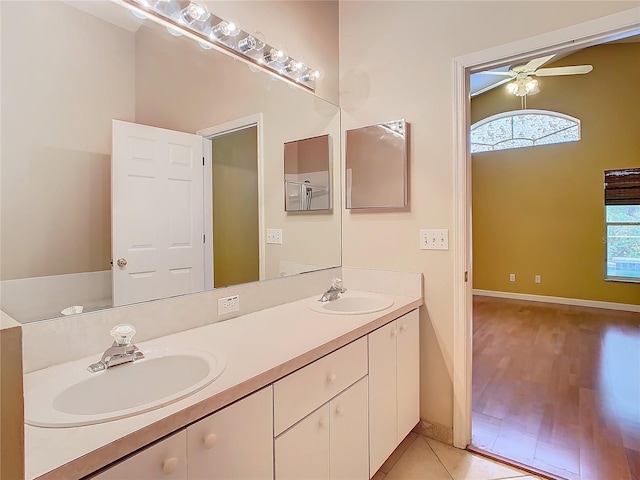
[
  {"x": 157, "y": 213},
  {"x": 235, "y": 207}
]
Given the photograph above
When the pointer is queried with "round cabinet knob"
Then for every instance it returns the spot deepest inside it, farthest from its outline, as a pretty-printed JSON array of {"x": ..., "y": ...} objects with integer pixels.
[
  {"x": 331, "y": 378},
  {"x": 210, "y": 440},
  {"x": 394, "y": 332},
  {"x": 170, "y": 465},
  {"x": 403, "y": 327},
  {"x": 322, "y": 424},
  {"x": 122, "y": 262},
  {"x": 340, "y": 411}
]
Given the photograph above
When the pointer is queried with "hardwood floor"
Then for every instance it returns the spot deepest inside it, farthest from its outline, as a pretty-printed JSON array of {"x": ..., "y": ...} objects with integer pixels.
[{"x": 557, "y": 387}]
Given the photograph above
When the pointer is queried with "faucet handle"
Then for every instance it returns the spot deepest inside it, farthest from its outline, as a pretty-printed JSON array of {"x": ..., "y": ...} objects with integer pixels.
[
  {"x": 122, "y": 334},
  {"x": 337, "y": 283}
]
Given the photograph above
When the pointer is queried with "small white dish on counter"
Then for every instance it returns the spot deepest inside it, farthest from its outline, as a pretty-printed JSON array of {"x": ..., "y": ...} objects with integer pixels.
[
  {"x": 353, "y": 303},
  {"x": 72, "y": 396}
]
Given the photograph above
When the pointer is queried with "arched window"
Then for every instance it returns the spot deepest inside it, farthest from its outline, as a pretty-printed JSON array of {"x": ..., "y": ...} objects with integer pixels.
[{"x": 523, "y": 128}]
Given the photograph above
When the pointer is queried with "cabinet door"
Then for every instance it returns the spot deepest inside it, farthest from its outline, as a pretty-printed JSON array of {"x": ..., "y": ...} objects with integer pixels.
[
  {"x": 408, "y": 373},
  {"x": 234, "y": 443},
  {"x": 349, "y": 434},
  {"x": 165, "y": 460},
  {"x": 302, "y": 452},
  {"x": 382, "y": 395}
]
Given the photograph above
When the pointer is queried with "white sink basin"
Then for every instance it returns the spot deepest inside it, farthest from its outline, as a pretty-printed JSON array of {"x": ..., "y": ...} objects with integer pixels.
[
  {"x": 353, "y": 303},
  {"x": 72, "y": 396}
]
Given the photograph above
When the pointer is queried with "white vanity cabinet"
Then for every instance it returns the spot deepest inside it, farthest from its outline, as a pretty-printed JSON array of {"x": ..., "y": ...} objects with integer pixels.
[
  {"x": 394, "y": 385},
  {"x": 321, "y": 418},
  {"x": 165, "y": 460},
  {"x": 235, "y": 443}
]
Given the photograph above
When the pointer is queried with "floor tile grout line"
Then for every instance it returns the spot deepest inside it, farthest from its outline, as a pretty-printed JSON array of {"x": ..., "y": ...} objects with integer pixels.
[{"x": 436, "y": 455}]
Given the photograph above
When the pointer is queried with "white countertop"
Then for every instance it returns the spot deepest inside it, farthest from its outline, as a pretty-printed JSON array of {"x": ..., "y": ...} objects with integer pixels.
[{"x": 260, "y": 348}]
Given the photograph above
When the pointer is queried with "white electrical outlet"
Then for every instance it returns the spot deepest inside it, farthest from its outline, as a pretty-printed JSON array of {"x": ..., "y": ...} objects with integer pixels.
[
  {"x": 228, "y": 304},
  {"x": 538, "y": 279},
  {"x": 274, "y": 235},
  {"x": 512, "y": 277},
  {"x": 434, "y": 239}
]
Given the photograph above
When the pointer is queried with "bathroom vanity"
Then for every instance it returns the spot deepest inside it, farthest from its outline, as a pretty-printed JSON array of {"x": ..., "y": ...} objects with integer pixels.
[{"x": 304, "y": 394}]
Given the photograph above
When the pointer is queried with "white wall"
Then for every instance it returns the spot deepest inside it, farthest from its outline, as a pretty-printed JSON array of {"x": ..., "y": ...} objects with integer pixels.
[{"x": 396, "y": 62}]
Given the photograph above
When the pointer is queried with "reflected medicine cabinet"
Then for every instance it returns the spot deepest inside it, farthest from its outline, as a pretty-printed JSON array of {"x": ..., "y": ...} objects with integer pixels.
[
  {"x": 307, "y": 174},
  {"x": 376, "y": 166}
]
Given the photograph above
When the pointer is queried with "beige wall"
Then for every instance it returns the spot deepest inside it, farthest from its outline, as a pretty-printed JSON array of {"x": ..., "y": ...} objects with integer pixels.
[
  {"x": 383, "y": 79},
  {"x": 307, "y": 29},
  {"x": 58, "y": 98},
  {"x": 547, "y": 202},
  {"x": 11, "y": 400}
]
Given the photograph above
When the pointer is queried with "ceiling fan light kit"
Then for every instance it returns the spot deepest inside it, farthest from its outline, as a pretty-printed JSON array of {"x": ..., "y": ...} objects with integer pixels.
[{"x": 523, "y": 85}]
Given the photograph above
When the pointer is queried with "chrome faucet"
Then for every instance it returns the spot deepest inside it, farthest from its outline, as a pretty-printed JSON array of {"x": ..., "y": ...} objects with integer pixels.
[
  {"x": 122, "y": 350},
  {"x": 334, "y": 291}
]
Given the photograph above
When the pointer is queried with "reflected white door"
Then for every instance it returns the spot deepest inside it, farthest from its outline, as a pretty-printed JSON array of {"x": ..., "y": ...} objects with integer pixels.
[{"x": 157, "y": 213}]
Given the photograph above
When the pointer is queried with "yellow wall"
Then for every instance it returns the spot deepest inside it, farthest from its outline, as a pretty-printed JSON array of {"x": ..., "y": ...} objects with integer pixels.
[
  {"x": 11, "y": 400},
  {"x": 539, "y": 211},
  {"x": 235, "y": 208}
]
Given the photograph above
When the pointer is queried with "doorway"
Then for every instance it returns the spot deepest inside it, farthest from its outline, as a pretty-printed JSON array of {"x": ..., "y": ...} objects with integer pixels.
[
  {"x": 234, "y": 207},
  {"x": 590, "y": 33},
  {"x": 234, "y": 164}
]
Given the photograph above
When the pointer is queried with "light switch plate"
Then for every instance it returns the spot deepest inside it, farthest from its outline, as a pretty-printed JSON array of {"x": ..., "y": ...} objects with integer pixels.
[
  {"x": 434, "y": 239},
  {"x": 274, "y": 235}
]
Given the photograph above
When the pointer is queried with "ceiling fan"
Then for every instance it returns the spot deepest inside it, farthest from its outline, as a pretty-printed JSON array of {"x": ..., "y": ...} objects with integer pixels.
[{"x": 520, "y": 76}]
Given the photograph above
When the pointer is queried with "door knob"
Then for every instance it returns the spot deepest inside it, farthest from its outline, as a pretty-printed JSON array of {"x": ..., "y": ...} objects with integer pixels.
[{"x": 122, "y": 262}]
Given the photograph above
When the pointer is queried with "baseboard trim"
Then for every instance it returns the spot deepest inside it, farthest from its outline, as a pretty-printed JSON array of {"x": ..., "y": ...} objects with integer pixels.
[
  {"x": 435, "y": 430},
  {"x": 561, "y": 300}
]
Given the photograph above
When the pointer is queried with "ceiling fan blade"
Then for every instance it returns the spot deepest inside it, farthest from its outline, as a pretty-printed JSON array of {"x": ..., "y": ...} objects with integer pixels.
[
  {"x": 507, "y": 74},
  {"x": 492, "y": 86},
  {"x": 537, "y": 63},
  {"x": 573, "y": 70}
]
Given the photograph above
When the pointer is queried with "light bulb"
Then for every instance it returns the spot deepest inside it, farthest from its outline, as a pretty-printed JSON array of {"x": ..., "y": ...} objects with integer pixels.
[
  {"x": 194, "y": 13},
  {"x": 174, "y": 31},
  {"x": 310, "y": 76},
  {"x": 226, "y": 28},
  {"x": 293, "y": 66},
  {"x": 251, "y": 42},
  {"x": 204, "y": 45},
  {"x": 275, "y": 55},
  {"x": 166, "y": 7},
  {"x": 512, "y": 88}
]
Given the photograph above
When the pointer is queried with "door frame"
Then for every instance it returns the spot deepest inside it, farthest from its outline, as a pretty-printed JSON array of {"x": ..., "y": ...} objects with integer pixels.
[
  {"x": 209, "y": 133},
  {"x": 600, "y": 30}
]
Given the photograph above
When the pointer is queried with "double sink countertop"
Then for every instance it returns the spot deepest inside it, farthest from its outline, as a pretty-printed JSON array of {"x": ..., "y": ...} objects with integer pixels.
[{"x": 259, "y": 348}]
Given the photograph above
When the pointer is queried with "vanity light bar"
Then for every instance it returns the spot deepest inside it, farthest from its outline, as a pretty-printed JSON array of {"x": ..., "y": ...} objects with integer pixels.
[{"x": 213, "y": 32}]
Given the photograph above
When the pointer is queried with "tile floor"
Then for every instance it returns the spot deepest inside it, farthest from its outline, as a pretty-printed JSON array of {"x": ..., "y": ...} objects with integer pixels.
[{"x": 421, "y": 458}]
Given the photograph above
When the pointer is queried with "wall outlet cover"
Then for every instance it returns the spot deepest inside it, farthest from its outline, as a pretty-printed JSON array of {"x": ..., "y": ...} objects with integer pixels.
[{"x": 228, "y": 304}]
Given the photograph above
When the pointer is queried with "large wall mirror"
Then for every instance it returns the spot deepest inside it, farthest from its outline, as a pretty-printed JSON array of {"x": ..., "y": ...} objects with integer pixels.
[{"x": 60, "y": 93}]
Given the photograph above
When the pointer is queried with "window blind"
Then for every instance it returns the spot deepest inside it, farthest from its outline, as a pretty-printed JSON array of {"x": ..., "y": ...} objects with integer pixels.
[{"x": 622, "y": 187}]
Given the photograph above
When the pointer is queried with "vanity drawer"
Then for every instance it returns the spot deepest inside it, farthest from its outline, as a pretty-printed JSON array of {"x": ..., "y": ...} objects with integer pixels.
[{"x": 300, "y": 393}]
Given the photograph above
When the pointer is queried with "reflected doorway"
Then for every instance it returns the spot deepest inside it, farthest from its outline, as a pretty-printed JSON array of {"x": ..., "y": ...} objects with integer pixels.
[{"x": 234, "y": 165}]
